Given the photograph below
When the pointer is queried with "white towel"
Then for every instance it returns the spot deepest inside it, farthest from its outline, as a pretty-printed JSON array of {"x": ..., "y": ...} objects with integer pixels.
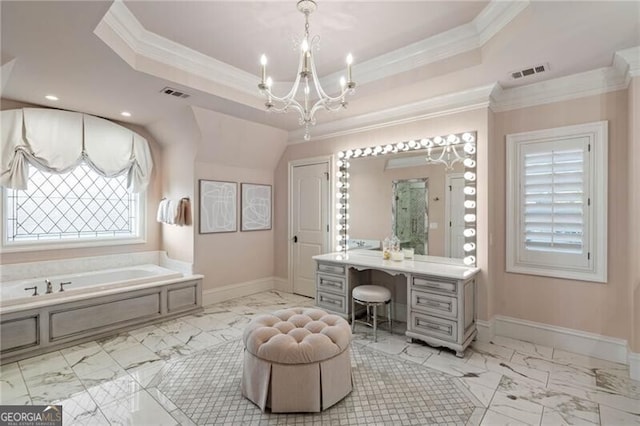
[
  {"x": 169, "y": 212},
  {"x": 160, "y": 213}
]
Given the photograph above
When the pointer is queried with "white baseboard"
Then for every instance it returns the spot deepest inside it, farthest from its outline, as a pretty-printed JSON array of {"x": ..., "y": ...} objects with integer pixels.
[
  {"x": 582, "y": 342},
  {"x": 485, "y": 330},
  {"x": 634, "y": 365},
  {"x": 282, "y": 284},
  {"x": 232, "y": 291}
]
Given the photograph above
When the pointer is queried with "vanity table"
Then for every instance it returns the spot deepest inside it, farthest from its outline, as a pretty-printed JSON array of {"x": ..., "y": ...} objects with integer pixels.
[{"x": 440, "y": 293}]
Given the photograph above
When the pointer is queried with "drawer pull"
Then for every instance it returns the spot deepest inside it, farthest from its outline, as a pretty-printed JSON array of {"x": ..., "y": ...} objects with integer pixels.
[
  {"x": 432, "y": 326},
  {"x": 331, "y": 283},
  {"x": 333, "y": 302},
  {"x": 331, "y": 269},
  {"x": 445, "y": 286}
]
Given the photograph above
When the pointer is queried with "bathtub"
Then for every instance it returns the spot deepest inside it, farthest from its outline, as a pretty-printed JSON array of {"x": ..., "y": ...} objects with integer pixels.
[
  {"x": 94, "y": 304},
  {"x": 13, "y": 293}
]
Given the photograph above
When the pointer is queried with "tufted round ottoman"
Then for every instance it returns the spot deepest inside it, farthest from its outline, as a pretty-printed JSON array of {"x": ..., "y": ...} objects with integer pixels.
[{"x": 296, "y": 360}]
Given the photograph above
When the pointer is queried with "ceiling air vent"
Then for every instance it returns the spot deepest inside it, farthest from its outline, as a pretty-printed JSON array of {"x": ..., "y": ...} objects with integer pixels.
[
  {"x": 174, "y": 92},
  {"x": 529, "y": 71}
]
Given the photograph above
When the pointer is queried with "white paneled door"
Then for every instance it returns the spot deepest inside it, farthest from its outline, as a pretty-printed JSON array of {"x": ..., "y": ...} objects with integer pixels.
[
  {"x": 310, "y": 223},
  {"x": 455, "y": 215}
]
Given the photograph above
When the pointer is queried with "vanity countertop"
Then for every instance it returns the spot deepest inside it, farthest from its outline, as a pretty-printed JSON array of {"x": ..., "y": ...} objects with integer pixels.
[{"x": 438, "y": 266}]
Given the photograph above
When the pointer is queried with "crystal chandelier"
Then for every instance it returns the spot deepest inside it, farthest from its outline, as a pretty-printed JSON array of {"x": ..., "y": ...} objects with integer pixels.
[{"x": 307, "y": 73}]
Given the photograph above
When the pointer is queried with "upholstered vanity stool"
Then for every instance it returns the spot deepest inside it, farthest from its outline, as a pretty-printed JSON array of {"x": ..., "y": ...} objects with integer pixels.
[
  {"x": 297, "y": 360},
  {"x": 371, "y": 296}
]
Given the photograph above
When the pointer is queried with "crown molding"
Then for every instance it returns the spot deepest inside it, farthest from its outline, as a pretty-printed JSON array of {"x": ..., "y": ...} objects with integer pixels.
[
  {"x": 589, "y": 83},
  {"x": 438, "y": 106},
  {"x": 464, "y": 38},
  {"x": 629, "y": 59},
  {"x": 626, "y": 65},
  {"x": 144, "y": 43}
]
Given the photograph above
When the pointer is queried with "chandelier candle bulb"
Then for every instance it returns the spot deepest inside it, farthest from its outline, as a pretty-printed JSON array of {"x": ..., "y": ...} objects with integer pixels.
[
  {"x": 263, "y": 66},
  {"x": 303, "y": 103}
]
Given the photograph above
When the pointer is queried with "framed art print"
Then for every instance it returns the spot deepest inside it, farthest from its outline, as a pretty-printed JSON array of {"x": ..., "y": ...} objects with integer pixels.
[
  {"x": 218, "y": 211},
  {"x": 255, "y": 207}
]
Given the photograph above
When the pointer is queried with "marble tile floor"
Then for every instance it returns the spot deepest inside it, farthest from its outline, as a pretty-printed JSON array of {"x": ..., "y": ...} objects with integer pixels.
[{"x": 111, "y": 380}]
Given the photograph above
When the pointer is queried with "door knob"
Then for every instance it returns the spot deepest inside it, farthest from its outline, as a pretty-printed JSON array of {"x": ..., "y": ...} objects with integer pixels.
[{"x": 295, "y": 238}]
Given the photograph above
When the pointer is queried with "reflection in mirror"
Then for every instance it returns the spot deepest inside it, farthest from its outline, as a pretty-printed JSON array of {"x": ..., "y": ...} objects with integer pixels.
[
  {"x": 365, "y": 186},
  {"x": 410, "y": 220}
]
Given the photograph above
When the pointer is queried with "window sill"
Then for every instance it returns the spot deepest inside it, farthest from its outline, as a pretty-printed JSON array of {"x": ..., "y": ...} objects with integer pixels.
[
  {"x": 547, "y": 271},
  {"x": 62, "y": 245}
]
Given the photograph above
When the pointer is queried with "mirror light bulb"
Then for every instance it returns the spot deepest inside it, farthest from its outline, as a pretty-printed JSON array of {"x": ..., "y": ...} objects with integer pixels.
[
  {"x": 469, "y": 260},
  {"x": 470, "y": 176},
  {"x": 469, "y": 148},
  {"x": 469, "y": 217},
  {"x": 469, "y": 247},
  {"x": 468, "y": 162},
  {"x": 469, "y": 232},
  {"x": 468, "y": 137},
  {"x": 469, "y": 190},
  {"x": 341, "y": 154},
  {"x": 470, "y": 204},
  {"x": 338, "y": 248},
  {"x": 339, "y": 184}
]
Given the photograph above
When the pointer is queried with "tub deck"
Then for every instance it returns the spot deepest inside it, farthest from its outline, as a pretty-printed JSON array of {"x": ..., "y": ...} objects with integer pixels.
[{"x": 36, "y": 324}]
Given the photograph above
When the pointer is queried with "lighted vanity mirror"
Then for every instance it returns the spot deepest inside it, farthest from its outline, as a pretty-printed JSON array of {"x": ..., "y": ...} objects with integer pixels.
[{"x": 366, "y": 202}]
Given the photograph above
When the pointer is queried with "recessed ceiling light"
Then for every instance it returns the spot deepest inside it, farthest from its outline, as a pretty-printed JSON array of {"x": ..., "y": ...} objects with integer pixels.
[
  {"x": 125, "y": 114},
  {"x": 52, "y": 97}
]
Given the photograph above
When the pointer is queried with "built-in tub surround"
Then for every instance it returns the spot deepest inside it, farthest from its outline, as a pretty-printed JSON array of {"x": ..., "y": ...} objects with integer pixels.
[
  {"x": 92, "y": 303},
  {"x": 21, "y": 292}
]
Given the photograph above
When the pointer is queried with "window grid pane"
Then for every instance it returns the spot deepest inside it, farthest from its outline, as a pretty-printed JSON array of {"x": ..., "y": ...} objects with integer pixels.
[
  {"x": 78, "y": 205},
  {"x": 554, "y": 192}
]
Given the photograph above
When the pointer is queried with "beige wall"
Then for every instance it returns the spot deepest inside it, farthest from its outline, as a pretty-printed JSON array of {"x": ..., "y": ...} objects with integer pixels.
[
  {"x": 201, "y": 144},
  {"x": 153, "y": 197},
  {"x": 593, "y": 307},
  {"x": 634, "y": 213},
  {"x": 234, "y": 257},
  {"x": 461, "y": 122}
]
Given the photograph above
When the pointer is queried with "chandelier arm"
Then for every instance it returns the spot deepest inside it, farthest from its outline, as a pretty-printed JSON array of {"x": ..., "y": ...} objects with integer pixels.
[{"x": 320, "y": 91}]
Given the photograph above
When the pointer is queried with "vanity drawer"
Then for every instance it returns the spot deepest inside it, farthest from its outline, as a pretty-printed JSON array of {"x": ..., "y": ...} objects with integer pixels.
[
  {"x": 434, "y": 284},
  {"x": 434, "y": 303},
  {"x": 437, "y": 327},
  {"x": 332, "y": 302},
  {"x": 331, "y": 268},
  {"x": 331, "y": 283}
]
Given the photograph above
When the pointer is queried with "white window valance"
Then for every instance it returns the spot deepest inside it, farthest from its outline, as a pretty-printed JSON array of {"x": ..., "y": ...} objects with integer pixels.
[{"x": 57, "y": 141}]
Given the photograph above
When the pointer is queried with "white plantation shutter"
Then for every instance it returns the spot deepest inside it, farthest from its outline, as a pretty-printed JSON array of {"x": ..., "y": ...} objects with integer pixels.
[
  {"x": 556, "y": 202},
  {"x": 554, "y": 199}
]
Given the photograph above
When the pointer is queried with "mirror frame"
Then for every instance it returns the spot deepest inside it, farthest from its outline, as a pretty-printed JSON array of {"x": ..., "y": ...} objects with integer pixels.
[{"x": 448, "y": 146}]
